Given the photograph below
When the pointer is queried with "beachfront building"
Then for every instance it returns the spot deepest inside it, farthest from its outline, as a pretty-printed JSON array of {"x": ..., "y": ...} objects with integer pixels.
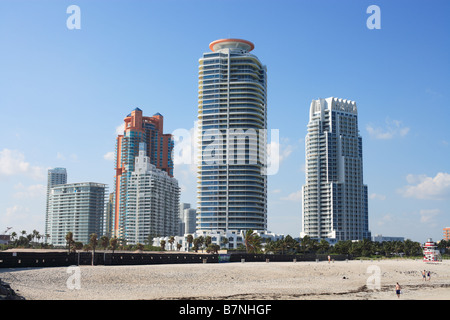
[
  {"x": 159, "y": 147},
  {"x": 334, "y": 202},
  {"x": 232, "y": 114},
  {"x": 187, "y": 220},
  {"x": 231, "y": 239},
  {"x": 152, "y": 201},
  {"x": 381, "y": 238},
  {"x": 78, "y": 208},
  {"x": 55, "y": 176}
]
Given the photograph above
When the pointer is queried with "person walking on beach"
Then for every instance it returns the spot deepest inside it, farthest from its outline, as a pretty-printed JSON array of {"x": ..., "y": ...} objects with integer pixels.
[
  {"x": 429, "y": 275},
  {"x": 398, "y": 290},
  {"x": 424, "y": 275}
]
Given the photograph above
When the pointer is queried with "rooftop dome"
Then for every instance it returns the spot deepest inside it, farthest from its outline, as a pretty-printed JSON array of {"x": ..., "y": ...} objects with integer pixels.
[{"x": 231, "y": 43}]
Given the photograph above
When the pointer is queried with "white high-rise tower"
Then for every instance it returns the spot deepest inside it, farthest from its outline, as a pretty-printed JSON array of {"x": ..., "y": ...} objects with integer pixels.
[
  {"x": 334, "y": 205},
  {"x": 232, "y": 112}
]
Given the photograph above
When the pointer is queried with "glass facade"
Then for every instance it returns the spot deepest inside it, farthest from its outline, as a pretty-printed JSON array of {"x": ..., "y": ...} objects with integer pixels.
[{"x": 232, "y": 185}]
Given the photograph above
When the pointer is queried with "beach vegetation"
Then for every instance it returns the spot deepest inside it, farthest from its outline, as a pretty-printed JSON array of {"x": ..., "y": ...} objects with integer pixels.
[{"x": 252, "y": 242}]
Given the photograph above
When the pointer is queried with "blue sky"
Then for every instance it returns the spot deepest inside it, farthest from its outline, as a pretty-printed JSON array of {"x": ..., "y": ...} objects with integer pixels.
[{"x": 63, "y": 93}]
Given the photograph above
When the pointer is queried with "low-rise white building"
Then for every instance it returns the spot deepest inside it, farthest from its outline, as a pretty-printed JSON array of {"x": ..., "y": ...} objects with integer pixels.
[{"x": 230, "y": 239}]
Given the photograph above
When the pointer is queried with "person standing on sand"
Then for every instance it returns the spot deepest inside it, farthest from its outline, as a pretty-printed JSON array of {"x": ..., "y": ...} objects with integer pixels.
[
  {"x": 398, "y": 290},
  {"x": 424, "y": 275},
  {"x": 429, "y": 275}
]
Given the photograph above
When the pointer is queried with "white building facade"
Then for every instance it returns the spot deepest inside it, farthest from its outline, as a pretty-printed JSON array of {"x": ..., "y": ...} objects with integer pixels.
[
  {"x": 234, "y": 239},
  {"x": 232, "y": 113},
  {"x": 335, "y": 202},
  {"x": 152, "y": 203},
  {"x": 78, "y": 208}
]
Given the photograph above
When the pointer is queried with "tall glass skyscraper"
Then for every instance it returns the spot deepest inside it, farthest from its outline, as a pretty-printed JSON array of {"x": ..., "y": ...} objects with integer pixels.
[
  {"x": 334, "y": 205},
  {"x": 232, "y": 113},
  {"x": 137, "y": 129},
  {"x": 55, "y": 176}
]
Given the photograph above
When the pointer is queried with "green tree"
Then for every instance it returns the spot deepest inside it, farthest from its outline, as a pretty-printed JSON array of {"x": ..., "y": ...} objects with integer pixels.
[
  {"x": 104, "y": 241},
  {"x": 224, "y": 242},
  {"x": 200, "y": 242},
  {"x": 93, "y": 241},
  {"x": 69, "y": 241},
  {"x": 252, "y": 241},
  {"x": 113, "y": 244},
  {"x": 171, "y": 241},
  {"x": 323, "y": 246},
  {"x": 197, "y": 243},
  {"x": 162, "y": 244},
  {"x": 190, "y": 240}
]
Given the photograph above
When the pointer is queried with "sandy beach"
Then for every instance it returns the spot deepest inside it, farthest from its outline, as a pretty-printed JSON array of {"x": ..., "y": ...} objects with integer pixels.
[{"x": 340, "y": 280}]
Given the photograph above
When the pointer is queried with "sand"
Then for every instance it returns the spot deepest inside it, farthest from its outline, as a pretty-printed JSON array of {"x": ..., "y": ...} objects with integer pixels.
[{"x": 341, "y": 280}]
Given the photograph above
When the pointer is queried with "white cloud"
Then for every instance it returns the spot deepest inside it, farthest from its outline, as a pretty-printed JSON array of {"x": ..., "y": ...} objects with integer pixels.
[
  {"x": 392, "y": 128},
  {"x": 33, "y": 191},
  {"x": 294, "y": 196},
  {"x": 109, "y": 156},
  {"x": 377, "y": 196},
  {"x": 428, "y": 216},
  {"x": 15, "y": 213},
  {"x": 120, "y": 129},
  {"x": 434, "y": 188},
  {"x": 387, "y": 218},
  {"x": 12, "y": 162}
]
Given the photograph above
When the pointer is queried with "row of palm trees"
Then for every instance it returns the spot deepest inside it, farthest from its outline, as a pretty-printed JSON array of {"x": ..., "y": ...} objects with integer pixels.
[
  {"x": 252, "y": 244},
  {"x": 26, "y": 240},
  {"x": 363, "y": 248}
]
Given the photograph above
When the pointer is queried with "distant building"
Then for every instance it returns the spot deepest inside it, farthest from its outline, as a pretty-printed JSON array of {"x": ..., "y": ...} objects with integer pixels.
[
  {"x": 187, "y": 219},
  {"x": 152, "y": 201},
  {"x": 109, "y": 216},
  {"x": 334, "y": 200},
  {"x": 5, "y": 238},
  {"x": 446, "y": 234},
  {"x": 56, "y": 176},
  {"x": 159, "y": 147},
  {"x": 78, "y": 208},
  {"x": 380, "y": 238}
]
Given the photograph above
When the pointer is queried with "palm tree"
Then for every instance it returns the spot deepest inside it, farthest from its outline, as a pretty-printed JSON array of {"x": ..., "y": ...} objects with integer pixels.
[
  {"x": 197, "y": 242},
  {"x": 324, "y": 245},
  {"x": 162, "y": 243},
  {"x": 306, "y": 244},
  {"x": 208, "y": 241},
  {"x": 69, "y": 240},
  {"x": 252, "y": 241},
  {"x": 93, "y": 241},
  {"x": 171, "y": 241},
  {"x": 271, "y": 246},
  {"x": 113, "y": 244},
  {"x": 13, "y": 236},
  {"x": 200, "y": 242},
  {"x": 224, "y": 241},
  {"x": 104, "y": 241},
  {"x": 189, "y": 239}
]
